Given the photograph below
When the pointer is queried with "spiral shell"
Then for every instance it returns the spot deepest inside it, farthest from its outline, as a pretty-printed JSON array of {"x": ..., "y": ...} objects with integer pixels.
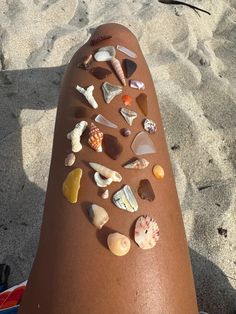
[
  {"x": 106, "y": 172},
  {"x": 118, "y": 69},
  {"x": 95, "y": 138},
  {"x": 137, "y": 164},
  {"x": 118, "y": 244}
]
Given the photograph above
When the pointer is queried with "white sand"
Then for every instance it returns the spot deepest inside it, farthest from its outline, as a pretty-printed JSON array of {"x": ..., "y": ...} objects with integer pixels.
[{"x": 193, "y": 63}]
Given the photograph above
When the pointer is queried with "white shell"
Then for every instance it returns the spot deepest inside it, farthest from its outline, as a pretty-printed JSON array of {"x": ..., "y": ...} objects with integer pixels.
[
  {"x": 98, "y": 215},
  {"x": 105, "y": 195},
  {"x": 126, "y": 51},
  {"x": 128, "y": 115},
  {"x": 106, "y": 172},
  {"x": 102, "y": 183},
  {"x": 88, "y": 94},
  {"x": 125, "y": 199},
  {"x": 75, "y": 135}
]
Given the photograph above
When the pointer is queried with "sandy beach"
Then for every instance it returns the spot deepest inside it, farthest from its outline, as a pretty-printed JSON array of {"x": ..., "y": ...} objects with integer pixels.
[{"x": 192, "y": 58}]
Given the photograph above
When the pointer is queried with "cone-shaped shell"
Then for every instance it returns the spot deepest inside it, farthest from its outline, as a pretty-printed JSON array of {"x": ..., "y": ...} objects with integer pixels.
[
  {"x": 106, "y": 172},
  {"x": 95, "y": 138},
  {"x": 137, "y": 164},
  {"x": 98, "y": 216},
  {"x": 118, "y": 244},
  {"x": 71, "y": 185},
  {"x": 118, "y": 69}
]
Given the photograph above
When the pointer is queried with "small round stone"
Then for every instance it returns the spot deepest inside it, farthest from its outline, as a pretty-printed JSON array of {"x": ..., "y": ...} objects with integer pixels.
[
  {"x": 158, "y": 172},
  {"x": 125, "y": 132}
]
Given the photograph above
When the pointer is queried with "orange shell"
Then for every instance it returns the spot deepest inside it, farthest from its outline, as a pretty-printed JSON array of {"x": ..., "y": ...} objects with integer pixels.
[
  {"x": 126, "y": 100},
  {"x": 95, "y": 138}
]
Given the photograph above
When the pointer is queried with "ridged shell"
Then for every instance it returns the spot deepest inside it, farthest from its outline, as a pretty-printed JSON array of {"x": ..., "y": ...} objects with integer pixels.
[
  {"x": 71, "y": 185},
  {"x": 137, "y": 164},
  {"x": 125, "y": 199},
  {"x": 146, "y": 232},
  {"x": 106, "y": 172},
  {"x": 118, "y": 244},
  {"x": 98, "y": 216},
  {"x": 128, "y": 115},
  {"x": 95, "y": 138},
  {"x": 118, "y": 69},
  {"x": 102, "y": 183}
]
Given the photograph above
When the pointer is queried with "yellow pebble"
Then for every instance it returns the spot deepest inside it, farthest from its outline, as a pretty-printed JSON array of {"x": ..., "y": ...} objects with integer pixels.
[
  {"x": 158, "y": 172},
  {"x": 71, "y": 185}
]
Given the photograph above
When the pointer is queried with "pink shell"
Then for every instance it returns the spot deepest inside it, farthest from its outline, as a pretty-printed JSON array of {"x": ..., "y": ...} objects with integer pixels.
[
  {"x": 146, "y": 232},
  {"x": 118, "y": 69},
  {"x": 95, "y": 138}
]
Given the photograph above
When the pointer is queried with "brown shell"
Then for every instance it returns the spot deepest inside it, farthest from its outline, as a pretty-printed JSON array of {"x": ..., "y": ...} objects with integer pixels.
[{"x": 95, "y": 138}]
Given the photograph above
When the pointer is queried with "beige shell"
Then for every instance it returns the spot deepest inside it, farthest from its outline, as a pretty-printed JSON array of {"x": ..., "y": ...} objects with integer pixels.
[
  {"x": 106, "y": 172},
  {"x": 137, "y": 164},
  {"x": 105, "y": 195},
  {"x": 98, "y": 215},
  {"x": 102, "y": 183},
  {"x": 70, "y": 160},
  {"x": 118, "y": 69},
  {"x": 95, "y": 138},
  {"x": 118, "y": 243},
  {"x": 158, "y": 172}
]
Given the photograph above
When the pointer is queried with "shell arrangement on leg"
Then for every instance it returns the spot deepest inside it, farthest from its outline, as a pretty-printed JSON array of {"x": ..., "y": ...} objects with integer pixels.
[{"x": 95, "y": 138}]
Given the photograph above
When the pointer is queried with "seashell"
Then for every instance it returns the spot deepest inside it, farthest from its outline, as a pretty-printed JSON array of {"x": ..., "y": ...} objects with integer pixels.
[
  {"x": 146, "y": 232},
  {"x": 158, "y": 172},
  {"x": 125, "y": 132},
  {"x": 102, "y": 183},
  {"x": 136, "y": 84},
  {"x": 149, "y": 126},
  {"x": 118, "y": 244},
  {"x": 125, "y": 199},
  {"x": 126, "y": 51},
  {"x": 70, "y": 160},
  {"x": 102, "y": 120},
  {"x": 128, "y": 115},
  {"x": 95, "y": 138},
  {"x": 145, "y": 190},
  {"x": 142, "y": 103},
  {"x": 111, "y": 146},
  {"x": 105, "y": 195},
  {"x": 130, "y": 67},
  {"x": 137, "y": 164},
  {"x": 71, "y": 185},
  {"x": 86, "y": 63},
  {"x": 88, "y": 94},
  {"x": 100, "y": 73},
  {"x": 142, "y": 144},
  {"x": 75, "y": 136},
  {"x": 105, "y": 53},
  {"x": 126, "y": 100},
  {"x": 118, "y": 69},
  {"x": 98, "y": 216},
  {"x": 106, "y": 172},
  {"x": 110, "y": 91},
  {"x": 99, "y": 38}
]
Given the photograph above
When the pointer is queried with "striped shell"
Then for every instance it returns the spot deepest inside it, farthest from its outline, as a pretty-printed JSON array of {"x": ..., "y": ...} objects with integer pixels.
[
  {"x": 146, "y": 232},
  {"x": 118, "y": 69},
  {"x": 95, "y": 138}
]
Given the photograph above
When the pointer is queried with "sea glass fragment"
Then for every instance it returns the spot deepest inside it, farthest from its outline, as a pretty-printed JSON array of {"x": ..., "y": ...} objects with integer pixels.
[
  {"x": 126, "y": 51},
  {"x": 102, "y": 120},
  {"x": 142, "y": 144},
  {"x": 125, "y": 132},
  {"x": 142, "y": 103},
  {"x": 128, "y": 115},
  {"x": 71, "y": 185},
  {"x": 100, "y": 73},
  {"x": 145, "y": 190},
  {"x": 130, "y": 67},
  {"x": 111, "y": 146},
  {"x": 136, "y": 84},
  {"x": 110, "y": 91},
  {"x": 125, "y": 199}
]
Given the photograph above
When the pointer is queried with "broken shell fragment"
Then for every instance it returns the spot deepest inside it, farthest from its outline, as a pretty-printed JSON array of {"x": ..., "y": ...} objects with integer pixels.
[
  {"x": 106, "y": 172},
  {"x": 128, "y": 115},
  {"x": 126, "y": 100},
  {"x": 105, "y": 195},
  {"x": 71, "y": 185},
  {"x": 105, "y": 53},
  {"x": 118, "y": 69},
  {"x": 137, "y": 164},
  {"x": 118, "y": 244},
  {"x": 86, "y": 62},
  {"x": 125, "y": 132},
  {"x": 102, "y": 183},
  {"x": 99, "y": 38},
  {"x": 142, "y": 103},
  {"x": 145, "y": 190},
  {"x": 130, "y": 67},
  {"x": 110, "y": 91},
  {"x": 98, "y": 216},
  {"x": 100, "y": 73},
  {"x": 112, "y": 146},
  {"x": 88, "y": 94},
  {"x": 158, "y": 172},
  {"x": 95, "y": 138},
  {"x": 136, "y": 84},
  {"x": 75, "y": 136},
  {"x": 70, "y": 160},
  {"x": 142, "y": 144},
  {"x": 126, "y": 51},
  {"x": 149, "y": 126},
  {"x": 102, "y": 120},
  {"x": 146, "y": 232},
  {"x": 125, "y": 199}
]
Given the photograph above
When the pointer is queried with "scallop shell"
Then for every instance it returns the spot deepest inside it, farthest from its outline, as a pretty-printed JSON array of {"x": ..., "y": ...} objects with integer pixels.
[
  {"x": 95, "y": 138},
  {"x": 125, "y": 199},
  {"x": 118, "y": 69},
  {"x": 98, "y": 216},
  {"x": 106, "y": 172},
  {"x": 118, "y": 244},
  {"x": 137, "y": 164},
  {"x": 146, "y": 232},
  {"x": 102, "y": 183},
  {"x": 128, "y": 115}
]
